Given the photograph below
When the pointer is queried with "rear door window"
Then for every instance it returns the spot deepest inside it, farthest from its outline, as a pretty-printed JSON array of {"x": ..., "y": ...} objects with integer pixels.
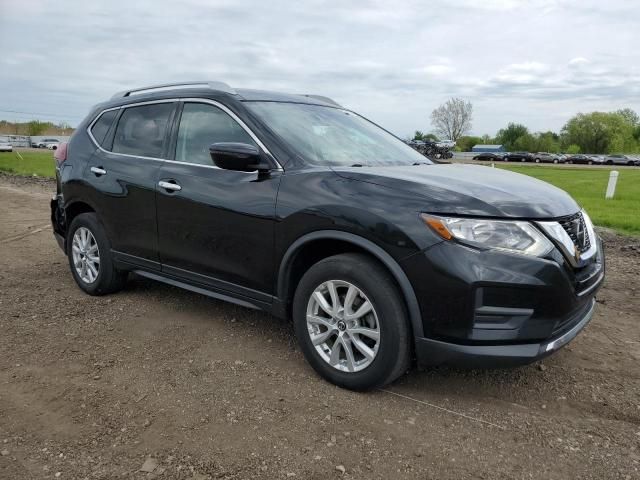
[
  {"x": 101, "y": 127},
  {"x": 141, "y": 131},
  {"x": 201, "y": 125}
]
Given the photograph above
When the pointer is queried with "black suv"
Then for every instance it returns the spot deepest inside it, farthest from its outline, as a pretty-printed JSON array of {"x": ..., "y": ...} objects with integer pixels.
[{"x": 300, "y": 207}]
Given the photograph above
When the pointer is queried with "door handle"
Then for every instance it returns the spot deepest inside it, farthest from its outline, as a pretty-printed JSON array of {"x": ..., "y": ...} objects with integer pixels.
[
  {"x": 98, "y": 171},
  {"x": 174, "y": 187}
]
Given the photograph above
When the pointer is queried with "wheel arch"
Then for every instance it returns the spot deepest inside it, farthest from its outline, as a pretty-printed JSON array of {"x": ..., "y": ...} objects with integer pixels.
[
  {"x": 341, "y": 242},
  {"x": 71, "y": 210},
  {"x": 75, "y": 208}
]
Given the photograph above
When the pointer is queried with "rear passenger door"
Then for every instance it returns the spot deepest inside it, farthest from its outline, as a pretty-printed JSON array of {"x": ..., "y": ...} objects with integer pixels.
[
  {"x": 123, "y": 175},
  {"x": 216, "y": 227}
]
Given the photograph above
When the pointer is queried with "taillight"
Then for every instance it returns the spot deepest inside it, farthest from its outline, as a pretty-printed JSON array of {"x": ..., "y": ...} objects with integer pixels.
[{"x": 60, "y": 153}]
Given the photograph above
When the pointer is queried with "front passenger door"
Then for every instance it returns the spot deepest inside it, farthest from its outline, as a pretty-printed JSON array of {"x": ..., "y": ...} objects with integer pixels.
[{"x": 216, "y": 227}]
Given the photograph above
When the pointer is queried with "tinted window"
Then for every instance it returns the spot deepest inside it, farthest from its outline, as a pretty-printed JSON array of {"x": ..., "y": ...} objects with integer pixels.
[
  {"x": 101, "y": 127},
  {"x": 141, "y": 130},
  {"x": 200, "y": 126}
]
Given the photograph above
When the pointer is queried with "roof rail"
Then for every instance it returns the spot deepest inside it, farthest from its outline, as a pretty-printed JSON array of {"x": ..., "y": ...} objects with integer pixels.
[
  {"x": 324, "y": 99},
  {"x": 221, "y": 86}
]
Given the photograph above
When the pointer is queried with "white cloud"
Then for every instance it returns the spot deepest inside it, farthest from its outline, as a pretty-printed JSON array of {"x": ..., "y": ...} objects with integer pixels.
[
  {"x": 578, "y": 62},
  {"x": 437, "y": 69},
  {"x": 393, "y": 61},
  {"x": 527, "y": 67}
]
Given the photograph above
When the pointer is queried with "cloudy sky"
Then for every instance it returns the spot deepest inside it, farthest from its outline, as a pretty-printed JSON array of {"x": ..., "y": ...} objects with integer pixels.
[{"x": 537, "y": 62}]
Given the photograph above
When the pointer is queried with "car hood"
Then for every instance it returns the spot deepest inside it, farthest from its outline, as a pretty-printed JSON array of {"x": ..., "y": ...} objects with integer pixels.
[{"x": 470, "y": 190}]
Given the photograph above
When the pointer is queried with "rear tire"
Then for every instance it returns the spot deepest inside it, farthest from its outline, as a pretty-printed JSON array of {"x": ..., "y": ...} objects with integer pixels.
[
  {"x": 381, "y": 353},
  {"x": 90, "y": 259}
]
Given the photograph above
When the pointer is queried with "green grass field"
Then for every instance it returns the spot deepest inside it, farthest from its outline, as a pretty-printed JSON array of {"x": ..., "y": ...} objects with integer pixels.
[
  {"x": 587, "y": 185},
  {"x": 28, "y": 162}
]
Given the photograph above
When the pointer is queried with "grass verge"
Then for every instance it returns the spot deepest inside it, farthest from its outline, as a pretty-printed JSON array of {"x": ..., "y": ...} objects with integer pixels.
[
  {"x": 28, "y": 163},
  {"x": 588, "y": 186}
]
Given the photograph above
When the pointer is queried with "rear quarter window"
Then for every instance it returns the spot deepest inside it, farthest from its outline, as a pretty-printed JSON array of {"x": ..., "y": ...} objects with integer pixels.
[
  {"x": 102, "y": 125},
  {"x": 142, "y": 130}
]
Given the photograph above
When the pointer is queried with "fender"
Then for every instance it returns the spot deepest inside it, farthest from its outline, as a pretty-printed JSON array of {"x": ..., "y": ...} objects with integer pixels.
[
  {"x": 382, "y": 256},
  {"x": 74, "y": 200},
  {"x": 65, "y": 208}
]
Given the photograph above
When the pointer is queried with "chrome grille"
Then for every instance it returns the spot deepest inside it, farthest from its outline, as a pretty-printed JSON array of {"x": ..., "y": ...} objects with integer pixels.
[{"x": 576, "y": 228}]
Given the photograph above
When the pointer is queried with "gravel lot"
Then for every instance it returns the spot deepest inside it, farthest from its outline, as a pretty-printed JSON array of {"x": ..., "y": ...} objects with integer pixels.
[{"x": 183, "y": 386}]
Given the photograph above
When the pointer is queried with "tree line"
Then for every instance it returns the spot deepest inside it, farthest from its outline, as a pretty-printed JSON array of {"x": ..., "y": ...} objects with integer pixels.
[
  {"x": 35, "y": 128},
  {"x": 595, "y": 132}
]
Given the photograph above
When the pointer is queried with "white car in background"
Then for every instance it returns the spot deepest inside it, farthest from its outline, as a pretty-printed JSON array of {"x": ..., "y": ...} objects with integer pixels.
[
  {"x": 53, "y": 146},
  {"x": 47, "y": 142},
  {"x": 6, "y": 147},
  {"x": 446, "y": 143}
]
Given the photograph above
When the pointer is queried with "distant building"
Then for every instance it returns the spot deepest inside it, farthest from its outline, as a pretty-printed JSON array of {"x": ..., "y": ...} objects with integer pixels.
[{"x": 487, "y": 148}]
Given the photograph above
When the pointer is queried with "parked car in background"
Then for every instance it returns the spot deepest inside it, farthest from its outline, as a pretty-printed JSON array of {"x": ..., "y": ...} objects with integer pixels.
[
  {"x": 518, "y": 157},
  {"x": 446, "y": 143},
  {"x": 618, "y": 159},
  {"x": 585, "y": 159},
  {"x": 53, "y": 146},
  {"x": 46, "y": 142},
  {"x": 545, "y": 157},
  {"x": 6, "y": 147},
  {"x": 298, "y": 206},
  {"x": 495, "y": 156}
]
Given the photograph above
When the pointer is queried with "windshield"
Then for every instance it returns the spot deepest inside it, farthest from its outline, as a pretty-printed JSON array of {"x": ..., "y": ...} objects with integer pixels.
[{"x": 334, "y": 137}]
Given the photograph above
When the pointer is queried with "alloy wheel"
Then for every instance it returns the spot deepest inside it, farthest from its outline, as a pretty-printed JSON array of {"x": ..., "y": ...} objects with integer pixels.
[
  {"x": 86, "y": 255},
  {"x": 343, "y": 326}
]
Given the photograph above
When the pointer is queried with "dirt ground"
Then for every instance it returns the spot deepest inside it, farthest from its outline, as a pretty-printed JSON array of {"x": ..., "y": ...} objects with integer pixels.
[{"x": 183, "y": 386}]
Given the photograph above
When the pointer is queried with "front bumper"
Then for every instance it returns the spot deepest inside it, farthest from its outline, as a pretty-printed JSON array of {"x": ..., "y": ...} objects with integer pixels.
[
  {"x": 435, "y": 352},
  {"x": 490, "y": 309}
]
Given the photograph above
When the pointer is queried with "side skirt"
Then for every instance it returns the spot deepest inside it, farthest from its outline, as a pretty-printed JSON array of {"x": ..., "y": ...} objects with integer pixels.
[
  {"x": 182, "y": 279},
  {"x": 203, "y": 291}
]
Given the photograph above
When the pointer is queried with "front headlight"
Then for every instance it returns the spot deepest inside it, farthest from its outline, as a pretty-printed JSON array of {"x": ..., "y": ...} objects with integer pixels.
[{"x": 510, "y": 236}]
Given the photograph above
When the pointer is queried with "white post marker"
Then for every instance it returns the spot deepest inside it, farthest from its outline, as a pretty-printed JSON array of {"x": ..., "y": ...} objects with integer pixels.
[
  {"x": 493, "y": 165},
  {"x": 611, "y": 187}
]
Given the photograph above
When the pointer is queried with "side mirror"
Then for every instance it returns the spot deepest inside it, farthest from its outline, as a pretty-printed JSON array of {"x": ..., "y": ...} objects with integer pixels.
[{"x": 237, "y": 156}]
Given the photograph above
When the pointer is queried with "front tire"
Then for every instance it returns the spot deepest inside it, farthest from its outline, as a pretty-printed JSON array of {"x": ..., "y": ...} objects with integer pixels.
[
  {"x": 90, "y": 260},
  {"x": 351, "y": 323}
]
